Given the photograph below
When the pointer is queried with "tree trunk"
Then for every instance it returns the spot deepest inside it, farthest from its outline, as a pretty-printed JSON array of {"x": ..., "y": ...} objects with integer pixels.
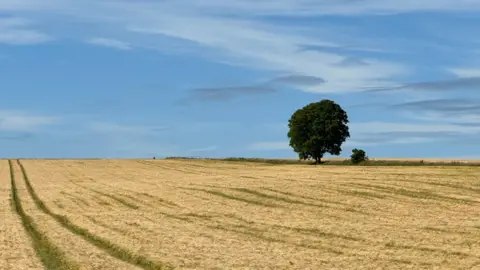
[{"x": 318, "y": 160}]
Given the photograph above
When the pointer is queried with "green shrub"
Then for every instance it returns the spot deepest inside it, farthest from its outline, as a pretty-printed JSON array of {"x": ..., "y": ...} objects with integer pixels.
[{"x": 358, "y": 155}]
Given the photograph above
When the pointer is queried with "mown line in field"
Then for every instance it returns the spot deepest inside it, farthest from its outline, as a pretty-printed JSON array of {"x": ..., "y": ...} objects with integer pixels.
[
  {"x": 449, "y": 185},
  {"x": 246, "y": 231},
  {"x": 50, "y": 255},
  {"x": 277, "y": 198},
  {"x": 265, "y": 196},
  {"x": 76, "y": 199},
  {"x": 417, "y": 194},
  {"x": 117, "y": 199},
  {"x": 114, "y": 250},
  {"x": 232, "y": 197},
  {"x": 305, "y": 197},
  {"x": 170, "y": 168},
  {"x": 113, "y": 197},
  {"x": 153, "y": 199},
  {"x": 122, "y": 198}
]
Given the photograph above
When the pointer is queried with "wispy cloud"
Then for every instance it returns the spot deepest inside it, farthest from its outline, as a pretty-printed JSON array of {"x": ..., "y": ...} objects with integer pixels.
[
  {"x": 266, "y": 87},
  {"x": 269, "y": 47},
  {"x": 447, "y": 105},
  {"x": 15, "y": 31},
  {"x": 351, "y": 62},
  {"x": 459, "y": 111},
  {"x": 285, "y": 7},
  {"x": 465, "y": 72},
  {"x": 203, "y": 149},
  {"x": 274, "y": 145},
  {"x": 17, "y": 137},
  {"x": 237, "y": 40},
  {"x": 25, "y": 122},
  {"x": 262, "y": 88},
  {"x": 224, "y": 93},
  {"x": 441, "y": 85},
  {"x": 110, "y": 43},
  {"x": 340, "y": 7},
  {"x": 378, "y": 140},
  {"x": 298, "y": 80},
  {"x": 122, "y": 129},
  {"x": 121, "y": 139},
  {"x": 382, "y": 127},
  {"x": 377, "y": 133}
]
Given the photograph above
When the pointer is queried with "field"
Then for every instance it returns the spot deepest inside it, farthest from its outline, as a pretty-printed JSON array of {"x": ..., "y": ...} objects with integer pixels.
[{"x": 208, "y": 214}]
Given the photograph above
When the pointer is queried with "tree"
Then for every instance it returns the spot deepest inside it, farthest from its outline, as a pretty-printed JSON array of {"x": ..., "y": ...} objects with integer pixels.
[
  {"x": 318, "y": 128},
  {"x": 358, "y": 155}
]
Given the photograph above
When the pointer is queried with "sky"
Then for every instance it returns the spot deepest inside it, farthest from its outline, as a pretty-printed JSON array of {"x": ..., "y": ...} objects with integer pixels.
[{"x": 215, "y": 78}]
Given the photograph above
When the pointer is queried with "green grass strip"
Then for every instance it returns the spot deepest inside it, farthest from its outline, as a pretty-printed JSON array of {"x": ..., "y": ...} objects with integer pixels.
[
  {"x": 345, "y": 162},
  {"x": 102, "y": 243},
  {"x": 50, "y": 255}
]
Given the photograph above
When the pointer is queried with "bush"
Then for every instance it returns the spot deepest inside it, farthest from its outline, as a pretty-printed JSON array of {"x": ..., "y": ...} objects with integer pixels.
[{"x": 358, "y": 155}]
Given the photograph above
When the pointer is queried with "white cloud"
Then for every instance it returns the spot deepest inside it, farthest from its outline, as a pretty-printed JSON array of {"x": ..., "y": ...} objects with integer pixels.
[
  {"x": 204, "y": 149},
  {"x": 275, "y": 48},
  {"x": 110, "y": 43},
  {"x": 338, "y": 7},
  {"x": 127, "y": 140},
  {"x": 244, "y": 39},
  {"x": 14, "y": 31},
  {"x": 264, "y": 7},
  {"x": 237, "y": 40},
  {"x": 138, "y": 148},
  {"x": 406, "y": 140},
  {"x": 446, "y": 117},
  {"x": 465, "y": 72},
  {"x": 21, "y": 121},
  {"x": 381, "y": 133},
  {"x": 277, "y": 145},
  {"x": 113, "y": 128},
  {"x": 380, "y": 127}
]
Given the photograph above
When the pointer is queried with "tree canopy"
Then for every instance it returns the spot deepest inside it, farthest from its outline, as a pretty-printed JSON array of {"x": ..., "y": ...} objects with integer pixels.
[{"x": 318, "y": 128}]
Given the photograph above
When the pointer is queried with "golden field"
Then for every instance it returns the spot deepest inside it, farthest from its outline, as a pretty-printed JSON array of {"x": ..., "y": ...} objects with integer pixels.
[{"x": 200, "y": 214}]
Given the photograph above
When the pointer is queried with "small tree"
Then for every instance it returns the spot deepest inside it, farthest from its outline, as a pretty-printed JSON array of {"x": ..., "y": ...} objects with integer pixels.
[
  {"x": 358, "y": 155},
  {"x": 318, "y": 128}
]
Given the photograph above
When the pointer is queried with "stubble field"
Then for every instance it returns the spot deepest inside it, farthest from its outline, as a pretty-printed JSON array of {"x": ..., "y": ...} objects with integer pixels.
[{"x": 194, "y": 214}]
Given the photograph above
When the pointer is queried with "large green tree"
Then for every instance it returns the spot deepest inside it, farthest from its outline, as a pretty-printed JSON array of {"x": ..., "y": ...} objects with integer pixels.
[{"x": 318, "y": 128}]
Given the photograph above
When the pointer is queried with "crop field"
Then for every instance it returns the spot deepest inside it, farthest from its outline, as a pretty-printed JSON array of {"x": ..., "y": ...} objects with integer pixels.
[{"x": 206, "y": 214}]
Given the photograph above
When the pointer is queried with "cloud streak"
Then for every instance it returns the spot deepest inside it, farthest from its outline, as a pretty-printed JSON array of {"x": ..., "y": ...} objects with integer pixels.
[
  {"x": 459, "y": 105},
  {"x": 114, "y": 128},
  {"x": 18, "y": 137},
  {"x": 442, "y": 85},
  {"x": 24, "y": 122},
  {"x": 109, "y": 43},
  {"x": 267, "y": 87},
  {"x": 226, "y": 93},
  {"x": 15, "y": 31},
  {"x": 465, "y": 72},
  {"x": 269, "y": 146},
  {"x": 294, "y": 8},
  {"x": 298, "y": 80},
  {"x": 379, "y": 133},
  {"x": 236, "y": 40}
]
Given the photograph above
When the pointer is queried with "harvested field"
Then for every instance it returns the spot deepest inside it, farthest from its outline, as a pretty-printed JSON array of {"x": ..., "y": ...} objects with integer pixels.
[
  {"x": 16, "y": 251},
  {"x": 199, "y": 214}
]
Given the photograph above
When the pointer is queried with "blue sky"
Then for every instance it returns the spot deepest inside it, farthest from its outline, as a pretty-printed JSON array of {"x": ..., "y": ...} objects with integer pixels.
[{"x": 211, "y": 78}]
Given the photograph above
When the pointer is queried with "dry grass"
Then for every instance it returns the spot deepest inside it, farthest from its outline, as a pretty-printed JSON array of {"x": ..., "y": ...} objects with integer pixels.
[{"x": 198, "y": 214}]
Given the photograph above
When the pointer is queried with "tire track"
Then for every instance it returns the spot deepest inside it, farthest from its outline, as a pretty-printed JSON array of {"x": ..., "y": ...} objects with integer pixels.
[
  {"x": 106, "y": 245},
  {"x": 50, "y": 255}
]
